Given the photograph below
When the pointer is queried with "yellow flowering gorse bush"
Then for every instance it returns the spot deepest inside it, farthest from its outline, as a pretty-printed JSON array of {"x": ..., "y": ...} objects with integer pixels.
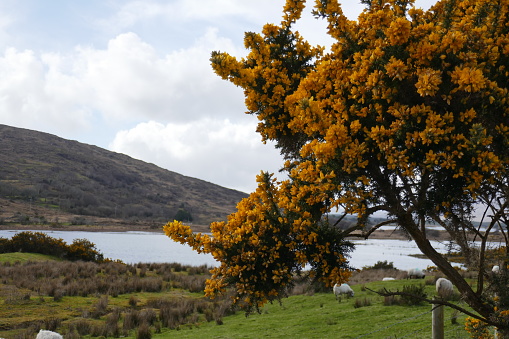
[{"x": 405, "y": 113}]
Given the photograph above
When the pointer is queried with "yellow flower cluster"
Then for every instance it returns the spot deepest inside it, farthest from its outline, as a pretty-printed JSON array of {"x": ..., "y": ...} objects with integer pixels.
[
  {"x": 468, "y": 79},
  {"x": 398, "y": 31},
  {"x": 428, "y": 81},
  {"x": 396, "y": 69},
  {"x": 477, "y": 328}
]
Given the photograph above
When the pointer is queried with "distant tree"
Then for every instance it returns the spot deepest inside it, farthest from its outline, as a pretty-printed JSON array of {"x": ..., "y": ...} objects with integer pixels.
[
  {"x": 183, "y": 215},
  {"x": 407, "y": 113}
]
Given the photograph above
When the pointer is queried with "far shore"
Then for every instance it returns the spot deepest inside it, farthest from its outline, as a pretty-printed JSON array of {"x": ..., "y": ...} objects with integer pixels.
[{"x": 380, "y": 234}]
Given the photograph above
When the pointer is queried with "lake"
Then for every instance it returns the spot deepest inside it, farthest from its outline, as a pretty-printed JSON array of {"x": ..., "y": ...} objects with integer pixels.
[{"x": 135, "y": 247}]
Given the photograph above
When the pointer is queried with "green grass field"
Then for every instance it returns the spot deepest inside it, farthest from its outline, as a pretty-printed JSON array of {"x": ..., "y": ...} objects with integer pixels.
[
  {"x": 24, "y": 257},
  {"x": 321, "y": 316},
  {"x": 313, "y": 315}
]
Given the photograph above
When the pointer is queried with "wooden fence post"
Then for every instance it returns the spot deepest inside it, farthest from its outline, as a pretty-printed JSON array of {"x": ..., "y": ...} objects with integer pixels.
[{"x": 437, "y": 322}]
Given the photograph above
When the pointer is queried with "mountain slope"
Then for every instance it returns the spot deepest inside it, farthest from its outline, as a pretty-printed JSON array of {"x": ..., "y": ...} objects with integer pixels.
[{"x": 55, "y": 173}]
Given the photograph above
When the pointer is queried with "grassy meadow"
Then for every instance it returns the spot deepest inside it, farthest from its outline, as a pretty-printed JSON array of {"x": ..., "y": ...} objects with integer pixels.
[
  {"x": 321, "y": 316},
  {"x": 86, "y": 300}
]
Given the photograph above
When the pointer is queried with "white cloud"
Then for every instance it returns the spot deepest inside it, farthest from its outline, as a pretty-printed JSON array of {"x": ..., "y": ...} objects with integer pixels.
[
  {"x": 130, "y": 80},
  {"x": 125, "y": 83},
  {"x": 185, "y": 11},
  {"x": 30, "y": 95},
  {"x": 219, "y": 151}
]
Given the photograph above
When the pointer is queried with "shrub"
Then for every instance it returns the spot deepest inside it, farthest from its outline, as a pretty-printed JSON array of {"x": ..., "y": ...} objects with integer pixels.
[
  {"x": 130, "y": 320},
  {"x": 111, "y": 326},
  {"x": 381, "y": 265},
  {"x": 82, "y": 326},
  {"x": 143, "y": 332},
  {"x": 83, "y": 249},
  {"x": 5, "y": 245},
  {"x": 430, "y": 281},
  {"x": 413, "y": 294},
  {"x": 390, "y": 300},
  {"x": 147, "y": 316},
  {"x": 51, "y": 324},
  {"x": 100, "y": 307},
  {"x": 133, "y": 301},
  {"x": 361, "y": 302},
  {"x": 38, "y": 242}
]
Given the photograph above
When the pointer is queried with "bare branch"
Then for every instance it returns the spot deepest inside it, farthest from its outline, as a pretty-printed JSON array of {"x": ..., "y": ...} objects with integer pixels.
[
  {"x": 365, "y": 235},
  {"x": 340, "y": 219}
]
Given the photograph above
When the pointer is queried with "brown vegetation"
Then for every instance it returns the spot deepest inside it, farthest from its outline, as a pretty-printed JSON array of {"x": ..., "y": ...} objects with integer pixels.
[{"x": 101, "y": 285}]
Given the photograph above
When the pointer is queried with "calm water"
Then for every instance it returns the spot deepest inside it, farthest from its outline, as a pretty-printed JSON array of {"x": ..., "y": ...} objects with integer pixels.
[{"x": 135, "y": 247}]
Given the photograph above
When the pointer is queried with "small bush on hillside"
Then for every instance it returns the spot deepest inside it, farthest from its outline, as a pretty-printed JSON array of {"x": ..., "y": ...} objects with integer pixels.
[
  {"x": 82, "y": 326},
  {"x": 143, "y": 332},
  {"x": 5, "y": 245},
  {"x": 52, "y": 323},
  {"x": 83, "y": 249},
  {"x": 430, "y": 281},
  {"x": 413, "y": 294},
  {"x": 38, "y": 242},
  {"x": 100, "y": 307},
  {"x": 390, "y": 300},
  {"x": 362, "y": 302},
  {"x": 133, "y": 301},
  {"x": 381, "y": 265}
]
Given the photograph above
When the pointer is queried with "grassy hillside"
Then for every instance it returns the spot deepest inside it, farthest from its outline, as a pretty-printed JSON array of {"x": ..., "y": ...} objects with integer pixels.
[
  {"x": 24, "y": 257},
  {"x": 321, "y": 316},
  {"x": 51, "y": 177},
  {"x": 81, "y": 299}
]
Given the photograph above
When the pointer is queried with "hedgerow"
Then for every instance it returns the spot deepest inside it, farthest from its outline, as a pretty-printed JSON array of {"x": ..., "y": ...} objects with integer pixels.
[{"x": 39, "y": 242}]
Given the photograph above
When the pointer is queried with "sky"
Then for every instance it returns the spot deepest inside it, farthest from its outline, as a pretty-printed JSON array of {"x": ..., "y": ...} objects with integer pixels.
[{"x": 134, "y": 77}]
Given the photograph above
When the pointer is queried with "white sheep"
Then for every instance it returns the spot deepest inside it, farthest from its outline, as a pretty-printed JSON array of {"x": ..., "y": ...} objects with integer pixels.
[
  {"x": 495, "y": 269},
  {"x": 342, "y": 289},
  {"x": 388, "y": 279},
  {"x": 415, "y": 273},
  {"x": 43, "y": 334},
  {"x": 444, "y": 288}
]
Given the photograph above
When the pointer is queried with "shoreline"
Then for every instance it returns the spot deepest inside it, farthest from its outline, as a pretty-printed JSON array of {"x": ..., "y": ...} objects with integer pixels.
[{"x": 380, "y": 234}]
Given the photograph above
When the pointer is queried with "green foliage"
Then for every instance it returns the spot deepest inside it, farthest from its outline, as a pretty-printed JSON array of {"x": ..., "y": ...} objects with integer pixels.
[
  {"x": 83, "y": 249},
  {"x": 382, "y": 265},
  {"x": 39, "y": 242},
  {"x": 413, "y": 294},
  {"x": 5, "y": 245},
  {"x": 183, "y": 215}
]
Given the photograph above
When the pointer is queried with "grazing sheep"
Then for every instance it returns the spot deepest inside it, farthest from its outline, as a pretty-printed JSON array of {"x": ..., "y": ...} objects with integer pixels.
[
  {"x": 444, "y": 288},
  {"x": 415, "y": 273},
  {"x": 495, "y": 269},
  {"x": 342, "y": 289},
  {"x": 388, "y": 279},
  {"x": 48, "y": 335}
]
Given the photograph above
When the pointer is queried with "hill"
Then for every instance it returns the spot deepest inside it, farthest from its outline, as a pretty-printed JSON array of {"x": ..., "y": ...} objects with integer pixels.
[{"x": 47, "y": 179}]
